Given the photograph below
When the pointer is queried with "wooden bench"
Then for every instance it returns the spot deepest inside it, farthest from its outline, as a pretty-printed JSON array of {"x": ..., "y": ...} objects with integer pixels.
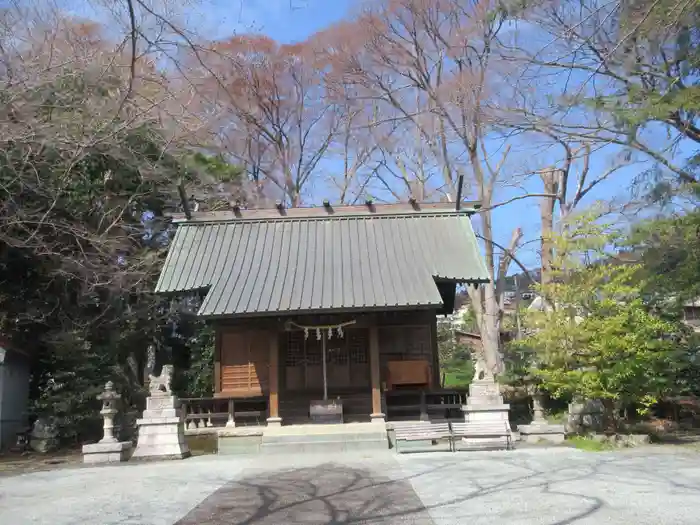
[
  {"x": 421, "y": 431},
  {"x": 477, "y": 430}
]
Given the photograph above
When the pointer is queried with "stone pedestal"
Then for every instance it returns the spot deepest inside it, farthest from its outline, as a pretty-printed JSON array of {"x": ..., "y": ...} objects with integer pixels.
[
  {"x": 161, "y": 429},
  {"x": 540, "y": 430},
  {"x": 274, "y": 421},
  {"x": 378, "y": 418},
  {"x": 106, "y": 452},
  {"x": 484, "y": 412}
]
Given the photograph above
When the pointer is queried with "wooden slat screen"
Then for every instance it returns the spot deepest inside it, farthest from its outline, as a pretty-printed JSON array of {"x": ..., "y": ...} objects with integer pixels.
[
  {"x": 244, "y": 362},
  {"x": 347, "y": 360},
  {"x": 401, "y": 343}
]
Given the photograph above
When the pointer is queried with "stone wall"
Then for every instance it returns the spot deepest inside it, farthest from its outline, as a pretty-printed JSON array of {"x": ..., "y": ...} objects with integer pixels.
[{"x": 585, "y": 417}]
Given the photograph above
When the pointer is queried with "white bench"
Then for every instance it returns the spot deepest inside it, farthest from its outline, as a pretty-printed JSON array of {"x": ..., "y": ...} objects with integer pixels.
[
  {"x": 483, "y": 430},
  {"x": 421, "y": 431}
]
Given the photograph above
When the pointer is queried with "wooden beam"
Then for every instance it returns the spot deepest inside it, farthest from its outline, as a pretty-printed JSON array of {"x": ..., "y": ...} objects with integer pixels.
[
  {"x": 375, "y": 374},
  {"x": 273, "y": 379}
]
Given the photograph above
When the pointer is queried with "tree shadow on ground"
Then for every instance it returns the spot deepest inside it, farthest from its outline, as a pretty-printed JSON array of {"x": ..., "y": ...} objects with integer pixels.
[{"x": 335, "y": 494}]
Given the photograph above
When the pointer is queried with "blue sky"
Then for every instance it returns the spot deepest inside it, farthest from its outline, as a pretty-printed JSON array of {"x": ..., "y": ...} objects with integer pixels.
[
  {"x": 290, "y": 21},
  {"x": 285, "y": 20},
  {"x": 294, "y": 20}
]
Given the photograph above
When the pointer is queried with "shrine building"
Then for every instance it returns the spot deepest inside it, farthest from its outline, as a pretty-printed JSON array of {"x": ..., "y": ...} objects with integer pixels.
[{"x": 322, "y": 313}]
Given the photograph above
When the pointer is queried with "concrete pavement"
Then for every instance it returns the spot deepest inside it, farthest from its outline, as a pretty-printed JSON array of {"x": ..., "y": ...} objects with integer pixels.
[{"x": 556, "y": 486}]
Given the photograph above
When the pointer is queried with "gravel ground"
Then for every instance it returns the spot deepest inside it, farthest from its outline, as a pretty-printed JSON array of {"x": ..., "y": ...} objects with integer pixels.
[{"x": 557, "y": 486}]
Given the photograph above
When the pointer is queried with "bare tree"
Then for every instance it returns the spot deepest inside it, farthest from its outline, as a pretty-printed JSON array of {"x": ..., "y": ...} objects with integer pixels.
[
  {"x": 624, "y": 67},
  {"x": 269, "y": 108},
  {"x": 362, "y": 145},
  {"x": 429, "y": 67}
]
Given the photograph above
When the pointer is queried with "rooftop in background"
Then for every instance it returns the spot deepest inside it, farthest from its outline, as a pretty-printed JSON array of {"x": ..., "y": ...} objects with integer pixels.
[
  {"x": 316, "y": 260},
  {"x": 325, "y": 212}
]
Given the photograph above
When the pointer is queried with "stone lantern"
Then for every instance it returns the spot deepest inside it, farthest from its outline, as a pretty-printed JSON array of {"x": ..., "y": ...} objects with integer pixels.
[
  {"x": 540, "y": 430},
  {"x": 538, "y": 408},
  {"x": 109, "y": 400},
  {"x": 108, "y": 449}
]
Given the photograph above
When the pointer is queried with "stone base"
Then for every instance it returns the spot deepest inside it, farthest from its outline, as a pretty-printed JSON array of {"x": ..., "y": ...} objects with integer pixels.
[
  {"x": 485, "y": 443},
  {"x": 623, "y": 440},
  {"x": 542, "y": 431},
  {"x": 484, "y": 392},
  {"x": 114, "y": 452},
  {"x": 161, "y": 430},
  {"x": 485, "y": 411},
  {"x": 274, "y": 421},
  {"x": 378, "y": 418},
  {"x": 486, "y": 417}
]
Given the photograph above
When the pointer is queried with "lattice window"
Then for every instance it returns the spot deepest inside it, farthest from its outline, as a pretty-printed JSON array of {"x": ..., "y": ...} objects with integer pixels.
[
  {"x": 314, "y": 351},
  {"x": 399, "y": 343},
  {"x": 417, "y": 342},
  {"x": 295, "y": 349},
  {"x": 357, "y": 346},
  {"x": 337, "y": 352}
]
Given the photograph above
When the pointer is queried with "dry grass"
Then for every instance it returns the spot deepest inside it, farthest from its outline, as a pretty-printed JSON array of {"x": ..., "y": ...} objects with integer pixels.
[{"x": 14, "y": 464}]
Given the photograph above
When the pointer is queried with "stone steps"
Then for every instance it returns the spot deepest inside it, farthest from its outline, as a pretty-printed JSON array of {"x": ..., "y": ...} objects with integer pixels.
[
  {"x": 308, "y": 438},
  {"x": 324, "y": 447},
  {"x": 325, "y": 439}
]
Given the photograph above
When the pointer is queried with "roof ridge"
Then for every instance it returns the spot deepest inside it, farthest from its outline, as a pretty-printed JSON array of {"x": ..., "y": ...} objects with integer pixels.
[
  {"x": 249, "y": 220},
  {"x": 238, "y": 213}
]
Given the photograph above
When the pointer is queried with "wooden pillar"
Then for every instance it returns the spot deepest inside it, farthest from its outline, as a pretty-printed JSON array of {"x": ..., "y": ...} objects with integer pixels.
[
  {"x": 274, "y": 384},
  {"x": 231, "y": 413},
  {"x": 377, "y": 414},
  {"x": 217, "y": 360},
  {"x": 435, "y": 379}
]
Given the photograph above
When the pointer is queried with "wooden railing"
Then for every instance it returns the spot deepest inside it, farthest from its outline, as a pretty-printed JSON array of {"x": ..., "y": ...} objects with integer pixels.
[
  {"x": 211, "y": 412},
  {"x": 206, "y": 412},
  {"x": 425, "y": 404}
]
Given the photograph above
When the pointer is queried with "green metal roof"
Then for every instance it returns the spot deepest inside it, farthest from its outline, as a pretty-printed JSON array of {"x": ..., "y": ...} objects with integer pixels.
[{"x": 322, "y": 264}]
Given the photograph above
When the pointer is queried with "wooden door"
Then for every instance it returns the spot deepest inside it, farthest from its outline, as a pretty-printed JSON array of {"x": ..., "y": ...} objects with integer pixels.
[{"x": 244, "y": 363}]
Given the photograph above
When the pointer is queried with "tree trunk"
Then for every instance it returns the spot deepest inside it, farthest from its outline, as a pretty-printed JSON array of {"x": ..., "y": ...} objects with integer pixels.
[
  {"x": 547, "y": 217},
  {"x": 490, "y": 336}
]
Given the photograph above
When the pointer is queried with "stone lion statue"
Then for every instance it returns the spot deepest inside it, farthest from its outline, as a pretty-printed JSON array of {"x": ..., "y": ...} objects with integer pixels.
[
  {"x": 482, "y": 372},
  {"x": 479, "y": 368},
  {"x": 161, "y": 384}
]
